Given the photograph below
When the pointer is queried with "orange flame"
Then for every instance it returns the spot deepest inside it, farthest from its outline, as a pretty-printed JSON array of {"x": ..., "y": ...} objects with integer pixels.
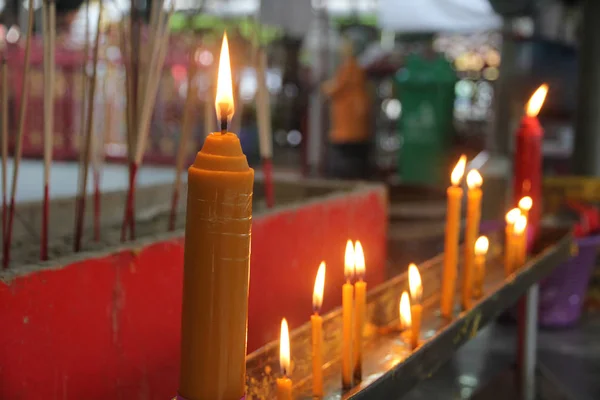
[
  {"x": 224, "y": 99},
  {"x": 525, "y": 203},
  {"x": 284, "y": 348},
  {"x": 535, "y": 103},
  {"x": 512, "y": 215},
  {"x": 481, "y": 246},
  {"x": 414, "y": 283},
  {"x": 474, "y": 179},
  {"x": 319, "y": 287},
  {"x": 349, "y": 261},
  {"x": 359, "y": 259},
  {"x": 405, "y": 318},
  {"x": 520, "y": 225},
  {"x": 458, "y": 171}
]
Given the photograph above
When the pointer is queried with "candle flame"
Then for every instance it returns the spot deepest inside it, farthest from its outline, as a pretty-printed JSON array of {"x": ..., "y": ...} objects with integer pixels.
[
  {"x": 512, "y": 215},
  {"x": 224, "y": 99},
  {"x": 319, "y": 287},
  {"x": 359, "y": 259},
  {"x": 520, "y": 225},
  {"x": 414, "y": 283},
  {"x": 459, "y": 170},
  {"x": 525, "y": 203},
  {"x": 474, "y": 179},
  {"x": 481, "y": 246},
  {"x": 349, "y": 261},
  {"x": 284, "y": 348},
  {"x": 535, "y": 103},
  {"x": 405, "y": 318}
]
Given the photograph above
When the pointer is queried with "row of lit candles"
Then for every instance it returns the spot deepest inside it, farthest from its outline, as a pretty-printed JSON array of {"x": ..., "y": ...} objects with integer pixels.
[{"x": 410, "y": 307}]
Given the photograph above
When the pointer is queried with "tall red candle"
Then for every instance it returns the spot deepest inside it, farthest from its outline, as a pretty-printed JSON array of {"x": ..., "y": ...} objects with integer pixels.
[{"x": 528, "y": 159}]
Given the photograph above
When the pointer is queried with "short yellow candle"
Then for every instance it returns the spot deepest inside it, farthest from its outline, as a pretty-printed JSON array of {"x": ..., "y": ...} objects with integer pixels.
[
  {"x": 525, "y": 205},
  {"x": 316, "y": 323},
  {"x": 481, "y": 248},
  {"x": 284, "y": 384},
  {"x": 451, "y": 240},
  {"x": 347, "y": 312},
  {"x": 360, "y": 309},
  {"x": 405, "y": 312},
  {"x": 415, "y": 287},
  {"x": 509, "y": 246},
  {"x": 520, "y": 242},
  {"x": 474, "y": 182}
]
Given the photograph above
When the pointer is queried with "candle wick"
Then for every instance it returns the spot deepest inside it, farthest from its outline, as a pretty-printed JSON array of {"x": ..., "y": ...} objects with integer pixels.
[
  {"x": 223, "y": 125},
  {"x": 224, "y": 113}
]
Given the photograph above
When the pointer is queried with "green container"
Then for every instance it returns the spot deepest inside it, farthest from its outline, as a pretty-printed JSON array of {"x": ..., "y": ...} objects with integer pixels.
[{"x": 425, "y": 89}]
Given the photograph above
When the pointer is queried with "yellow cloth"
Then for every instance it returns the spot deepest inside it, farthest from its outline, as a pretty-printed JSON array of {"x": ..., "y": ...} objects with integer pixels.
[{"x": 349, "y": 104}]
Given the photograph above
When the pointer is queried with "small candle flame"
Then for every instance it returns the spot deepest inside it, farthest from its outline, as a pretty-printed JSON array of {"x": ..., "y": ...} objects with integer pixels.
[
  {"x": 359, "y": 260},
  {"x": 458, "y": 171},
  {"x": 349, "y": 261},
  {"x": 414, "y": 283},
  {"x": 520, "y": 225},
  {"x": 474, "y": 179},
  {"x": 525, "y": 203},
  {"x": 535, "y": 103},
  {"x": 319, "y": 287},
  {"x": 284, "y": 348},
  {"x": 224, "y": 99},
  {"x": 512, "y": 215},
  {"x": 481, "y": 246},
  {"x": 405, "y": 318}
]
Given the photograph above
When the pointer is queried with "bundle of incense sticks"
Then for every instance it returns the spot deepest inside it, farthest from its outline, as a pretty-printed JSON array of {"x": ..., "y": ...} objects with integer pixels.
[
  {"x": 87, "y": 139},
  {"x": 49, "y": 26},
  {"x": 142, "y": 87},
  {"x": 7, "y": 238}
]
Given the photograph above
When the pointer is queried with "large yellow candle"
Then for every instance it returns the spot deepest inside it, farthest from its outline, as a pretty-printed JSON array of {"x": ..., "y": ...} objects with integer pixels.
[
  {"x": 481, "y": 248},
  {"x": 360, "y": 309},
  {"x": 405, "y": 312},
  {"x": 525, "y": 205},
  {"x": 284, "y": 384},
  {"x": 217, "y": 262},
  {"x": 474, "y": 182},
  {"x": 520, "y": 242},
  {"x": 509, "y": 245},
  {"x": 347, "y": 312},
  {"x": 416, "y": 308},
  {"x": 451, "y": 240},
  {"x": 316, "y": 323}
]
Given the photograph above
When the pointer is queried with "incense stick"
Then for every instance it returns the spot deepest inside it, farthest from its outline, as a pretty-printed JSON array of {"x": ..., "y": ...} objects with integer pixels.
[
  {"x": 187, "y": 126},
  {"x": 263, "y": 113},
  {"x": 19, "y": 142},
  {"x": 48, "y": 11},
  {"x": 150, "y": 88},
  {"x": 88, "y": 136},
  {"x": 82, "y": 117}
]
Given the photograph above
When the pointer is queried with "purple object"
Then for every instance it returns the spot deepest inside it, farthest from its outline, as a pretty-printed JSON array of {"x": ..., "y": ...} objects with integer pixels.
[{"x": 562, "y": 294}]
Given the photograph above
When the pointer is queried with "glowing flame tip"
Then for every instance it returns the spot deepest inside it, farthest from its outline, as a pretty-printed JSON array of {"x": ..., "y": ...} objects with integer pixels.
[
  {"x": 474, "y": 179},
  {"x": 414, "y": 283},
  {"x": 525, "y": 203},
  {"x": 349, "y": 260},
  {"x": 458, "y": 171},
  {"x": 405, "y": 317},
  {"x": 535, "y": 103},
  {"x": 319, "y": 287},
  {"x": 224, "y": 98},
  {"x": 359, "y": 259},
  {"x": 284, "y": 348},
  {"x": 481, "y": 246},
  {"x": 512, "y": 215}
]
